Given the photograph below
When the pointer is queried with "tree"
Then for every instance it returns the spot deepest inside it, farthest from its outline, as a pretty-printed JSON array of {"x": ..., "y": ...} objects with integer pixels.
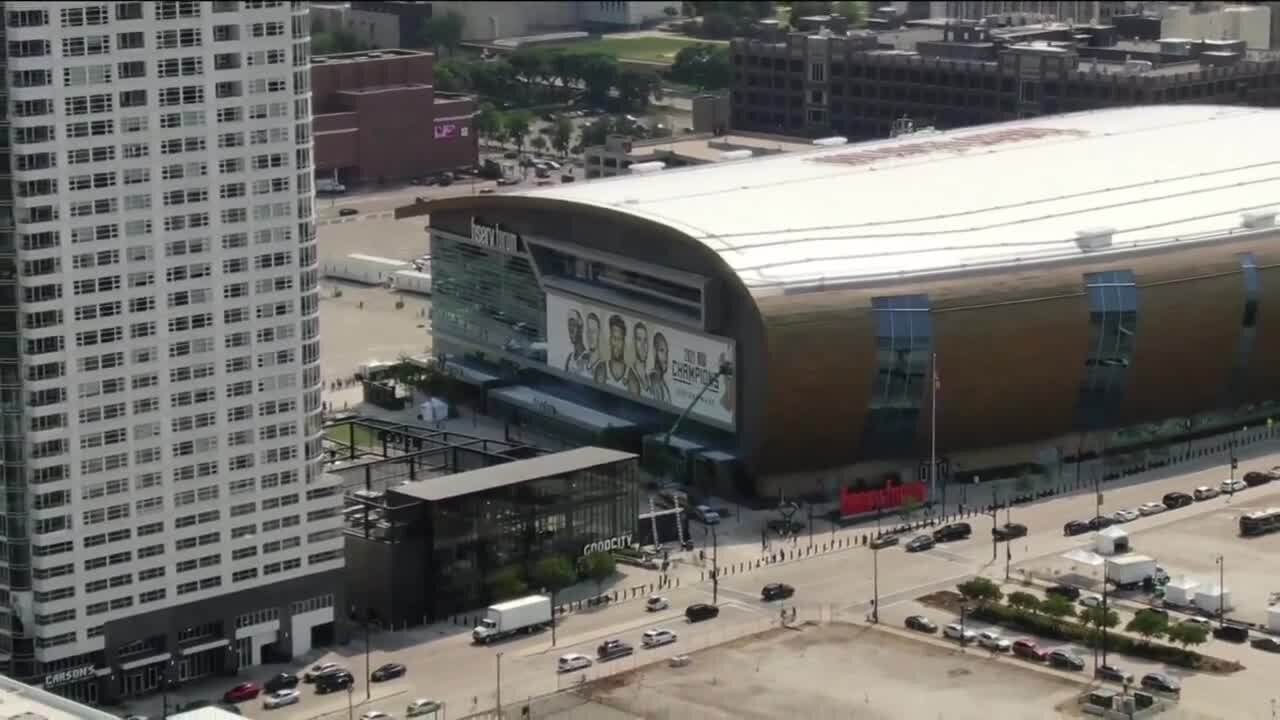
[
  {"x": 854, "y": 11},
  {"x": 506, "y": 583},
  {"x": 599, "y": 566},
  {"x": 442, "y": 32},
  {"x": 452, "y": 77},
  {"x": 553, "y": 574},
  {"x": 489, "y": 122},
  {"x": 718, "y": 26},
  {"x": 981, "y": 590},
  {"x": 1148, "y": 625},
  {"x": 1099, "y": 618},
  {"x": 702, "y": 65},
  {"x": 636, "y": 87},
  {"x": 1187, "y": 634},
  {"x": 515, "y": 126},
  {"x": 567, "y": 67},
  {"x": 494, "y": 79},
  {"x": 1025, "y": 602},
  {"x": 530, "y": 66},
  {"x": 599, "y": 75},
  {"x": 562, "y": 136},
  {"x": 327, "y": 43},
  {"x": 907, "y": 508},
  {"x": 538, "y": 143},
  {"x": 1057, "y": 607}
]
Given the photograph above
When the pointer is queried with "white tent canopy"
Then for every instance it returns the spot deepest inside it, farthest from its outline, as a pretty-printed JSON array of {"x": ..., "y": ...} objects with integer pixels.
[
  {"x": 1085, "y": 557},
  {"x": 1112, "y": 540},
  {"x": 433, "y": 410}
]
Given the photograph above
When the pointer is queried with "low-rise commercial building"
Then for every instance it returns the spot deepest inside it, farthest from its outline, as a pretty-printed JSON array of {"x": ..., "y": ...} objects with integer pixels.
[
  {"x": 620, "y": 153},
  {"x": 378, "y": 118},
  {"x": 439, "y": 515},
  {"x": 953, "y": 74}
]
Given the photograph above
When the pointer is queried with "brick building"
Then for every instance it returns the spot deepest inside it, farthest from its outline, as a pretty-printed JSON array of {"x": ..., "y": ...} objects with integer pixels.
[
  {"x": 955, "y": 74},
  {"x": 378, "y": 118}
]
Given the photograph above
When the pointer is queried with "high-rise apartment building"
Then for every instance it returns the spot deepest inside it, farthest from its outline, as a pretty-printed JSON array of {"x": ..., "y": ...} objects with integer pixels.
[{"x": 164, "y": 513}]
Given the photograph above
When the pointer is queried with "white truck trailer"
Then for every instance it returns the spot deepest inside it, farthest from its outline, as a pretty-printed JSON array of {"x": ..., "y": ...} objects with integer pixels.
[
  {"x": 523, "y": 615},
  {"x": 1130, "y": 570},
  {"x": 411, "y": 281},
  {"x": 366, "y": 269}
]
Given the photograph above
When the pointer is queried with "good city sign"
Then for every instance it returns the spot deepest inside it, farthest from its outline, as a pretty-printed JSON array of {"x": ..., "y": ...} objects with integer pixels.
[
  {"x": 615, "y": 543},
  {"x": 62, "y": 677},
  {"x": 492, "y": 236}
]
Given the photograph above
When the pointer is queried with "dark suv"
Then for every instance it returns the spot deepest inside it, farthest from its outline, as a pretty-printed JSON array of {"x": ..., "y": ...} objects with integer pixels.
[
  {"x": 1069, "y": 592},
  {"x": 776, "y": 591},
  {"x": 1175, "y": 500},
  {"x": 333, "y": 681},
  {"x": 611, "y": 649},
  {"x": 1254, "y": 479},
  {"x": 1009, "y": 531},
  {"x": 1075, "y": 527},
  {"x": 698, "y": 612},
  {"x": 954, "y": 531}
]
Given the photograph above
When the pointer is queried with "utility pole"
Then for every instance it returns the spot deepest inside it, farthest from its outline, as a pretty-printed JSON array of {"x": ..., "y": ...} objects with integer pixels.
[
  {"x": 875, "y": 585},
  {"x": 715, "y": 567},
  {"x": 1106, "y": 581},
  {"x": 933, "y": 435},
  {"x": 1222, "y": 569},
  {"x": 498, "y": 685},
  {"x": 810, "y": 524},
  {"x": 994, "y": 509},
  {"x": 368, "y": 692}
]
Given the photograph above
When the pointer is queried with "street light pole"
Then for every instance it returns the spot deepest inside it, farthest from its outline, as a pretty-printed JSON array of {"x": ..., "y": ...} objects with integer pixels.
[
  {"x": 1222, "y": 569},
  {"x": 715, "y": 567},
  {"x": 498, "y": 685},
  {"x": 810, "y": 524},
  {"x": 875, "y": 585},
  {"x": 368, "y": 678}
]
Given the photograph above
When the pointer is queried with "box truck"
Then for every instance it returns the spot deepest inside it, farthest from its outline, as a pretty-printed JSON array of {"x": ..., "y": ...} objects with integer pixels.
[
  {"x": 367, "y": 269},
  {"x": 1129, "y": 571},
  {"x": 411, "y": 281},
  {"x": 524, "y": 615}
]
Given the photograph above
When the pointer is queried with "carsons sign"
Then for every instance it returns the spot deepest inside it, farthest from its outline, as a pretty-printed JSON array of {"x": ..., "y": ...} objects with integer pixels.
[
  {"x": 63, "y": 677},
  {"x": 614, "y": 543}
]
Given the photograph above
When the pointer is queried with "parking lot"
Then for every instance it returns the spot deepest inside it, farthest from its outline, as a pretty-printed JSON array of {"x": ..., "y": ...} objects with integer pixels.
[{"x": 838, "y": 671}]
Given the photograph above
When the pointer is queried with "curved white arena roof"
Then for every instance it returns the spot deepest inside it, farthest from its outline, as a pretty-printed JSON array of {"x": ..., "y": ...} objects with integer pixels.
[{"x": 988, "y": 196}]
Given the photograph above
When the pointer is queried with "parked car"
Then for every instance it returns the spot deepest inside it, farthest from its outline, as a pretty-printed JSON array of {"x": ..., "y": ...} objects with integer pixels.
[
  {"x": 1113, "y": 674},
  {"x": 422, "y": 706},
  {"x": 1065, "y": 660},
  {"x": 1255, "y": 478},
  {"x": 389, "y": 671},
  {"x": 698, "y": 612},
  {"x": 1231, "y": 633},
  {"x": 1175, "y": 500},
  {"x": 1101, "y": 522},
  {"x": 1091, "y": 601},
  {"x": 883, "y": 541},
  {"x": 1028, "y": 649},
  {"x": 613, "y": 649},
  {"x": 1161, "y": 682},
  {"x": 1075, "y": 527},
  {"x": 1151, "y": 508},
  {"x": 507, "y": 180},
  {"x": 654, "y": 603},
  {"x": 954, "y": 531},
  {"x": 1202, "y": 622},
  {"x": 920, "y": 542},
  {"x": 318, "y": 669},
  {"x": 991, "y": 640},
  {"x": 956, "y": 632},
  {"x": 281, "y": 698},
  {"x": 334, "y": 681},
  {"x": 776, "y": 591},
  {"x": 571, "y": 662},
  {"x": 243, "y": 691},
  {"x": 704, "y": 514},
  {"x": 280, "y": 681},
  {"x": 1069, "y": 592},
  {"x": 347, "y": 212},
  {"x": 375, "y": 715},
  {"x": 1204, "y": 492},
  {"x": 1269, "y": 644},
  {"x": 922, "y": 624},
  {"x": 1126, "y": 515},
  {"x": 1233, "y": 485},
  {"x": 657, "y": 637},
  {"x": 1153, "y": 611},
  {"x": 1009, "y": 531}
]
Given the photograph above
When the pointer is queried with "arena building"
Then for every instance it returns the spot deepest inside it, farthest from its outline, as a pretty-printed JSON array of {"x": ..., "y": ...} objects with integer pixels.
[{"x": 1086, "y": 283}]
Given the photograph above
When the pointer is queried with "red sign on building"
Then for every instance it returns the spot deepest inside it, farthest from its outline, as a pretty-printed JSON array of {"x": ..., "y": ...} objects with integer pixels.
[{"x": 857, "y": 503}]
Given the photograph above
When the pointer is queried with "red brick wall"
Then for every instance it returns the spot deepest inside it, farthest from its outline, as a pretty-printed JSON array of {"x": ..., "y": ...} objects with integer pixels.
[{"x": 327, "y": 80}]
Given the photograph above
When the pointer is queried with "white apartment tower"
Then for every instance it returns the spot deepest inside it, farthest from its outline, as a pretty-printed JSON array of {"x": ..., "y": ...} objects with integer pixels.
[{"x": 164, "y": 512}]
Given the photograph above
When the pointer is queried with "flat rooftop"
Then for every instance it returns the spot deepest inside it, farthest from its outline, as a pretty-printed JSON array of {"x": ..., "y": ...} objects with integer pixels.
[
  {"x": 976, "y": 198},
  {"x": 24, "y": 702},
  {"x": 701, "y": 149},
  {"x": 511, "y": 473},
  {"x": 365, "y": 56}
]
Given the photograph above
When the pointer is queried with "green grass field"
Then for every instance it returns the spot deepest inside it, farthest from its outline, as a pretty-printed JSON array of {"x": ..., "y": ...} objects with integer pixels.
[
  {"x": 652, "y": 49},
  {"x": 364, "y": 437}
]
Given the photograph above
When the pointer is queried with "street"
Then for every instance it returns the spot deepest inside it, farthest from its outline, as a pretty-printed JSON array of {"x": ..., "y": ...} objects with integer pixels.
[{"x": 444, "y": 665}]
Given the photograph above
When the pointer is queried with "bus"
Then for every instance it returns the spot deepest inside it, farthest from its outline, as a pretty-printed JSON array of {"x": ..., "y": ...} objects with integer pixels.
[{"x": 1260, "y": 522}]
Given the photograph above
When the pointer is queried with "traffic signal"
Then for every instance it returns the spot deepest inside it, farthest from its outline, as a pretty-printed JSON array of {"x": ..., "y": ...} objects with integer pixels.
[{"x": 1235, "y": 464}]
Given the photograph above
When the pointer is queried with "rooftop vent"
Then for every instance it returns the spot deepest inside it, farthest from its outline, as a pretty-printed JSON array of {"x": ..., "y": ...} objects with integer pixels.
[
  {"x": 831, "y": 141},
  {"x": 735, "y": 155},
  {"x": 1091, "y": 239},
  {"x": 647, "y": 167},
  {"x": 1257, "y": 219}
]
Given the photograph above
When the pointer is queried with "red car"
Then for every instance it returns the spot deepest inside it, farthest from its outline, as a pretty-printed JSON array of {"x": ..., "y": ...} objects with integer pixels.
[
  {"x": 1028, "y": 649},
  {"x": 242, "y": 692}
]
